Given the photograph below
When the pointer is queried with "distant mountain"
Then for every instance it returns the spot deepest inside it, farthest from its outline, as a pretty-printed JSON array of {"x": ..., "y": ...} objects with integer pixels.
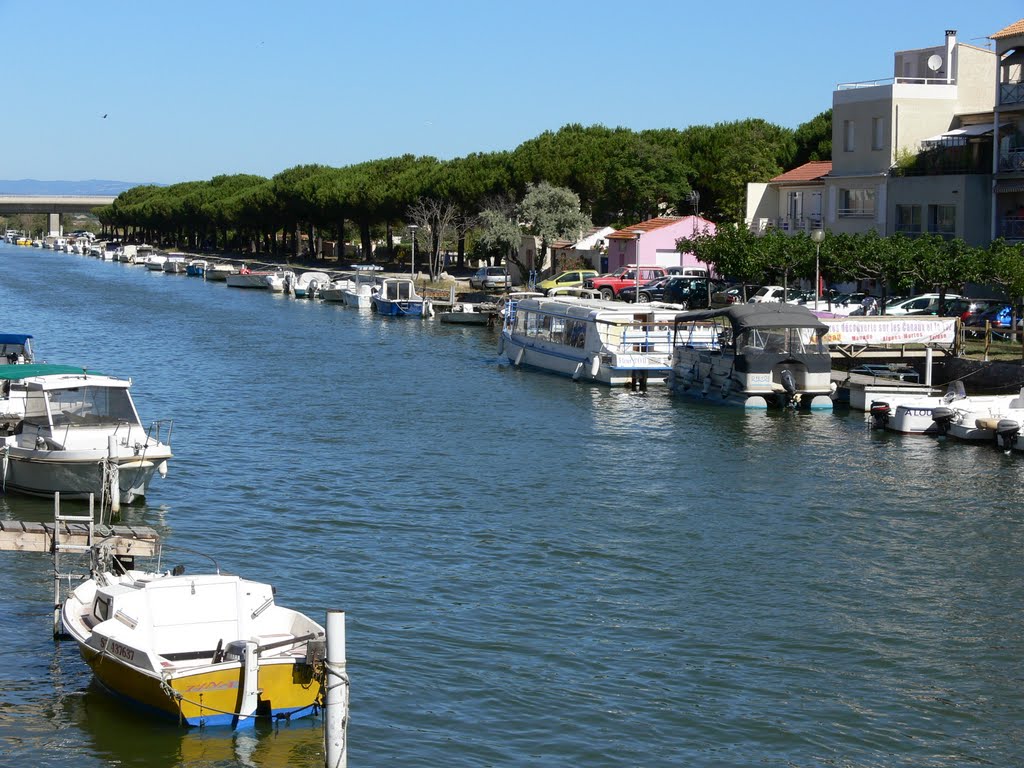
[{"x": 87, "y": 187}]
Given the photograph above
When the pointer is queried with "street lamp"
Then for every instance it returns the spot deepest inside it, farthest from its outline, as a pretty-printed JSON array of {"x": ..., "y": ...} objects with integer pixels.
[
  {"x": 412, "y": 265},
  {"x": 636, "y": 267},
  {"x": 817, "y": 236}
]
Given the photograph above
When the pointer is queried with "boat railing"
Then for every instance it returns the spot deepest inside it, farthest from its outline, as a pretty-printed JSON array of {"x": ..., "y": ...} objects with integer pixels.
[
  {"x": 160, "y": 430},
  {"x": 644, "y": 337}
]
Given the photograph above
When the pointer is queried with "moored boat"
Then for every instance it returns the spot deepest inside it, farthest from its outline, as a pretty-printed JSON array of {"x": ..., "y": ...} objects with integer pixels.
[
  {"x": 219, "y": 271},
  {"x": 16, "y": 349},
  {"x": 207, "y": 649},
  {"x": 467, "y": 313},
  {"x": 364, "y": 285},
  {"x": 753, "y": 355},
  {"x": 245, "y": 277},
  {"x": 308, "y": 284},
  {"x": 597, "y": 340},
  {"x": 397, "y": 297},
  {"x": 64, "y": 429}
]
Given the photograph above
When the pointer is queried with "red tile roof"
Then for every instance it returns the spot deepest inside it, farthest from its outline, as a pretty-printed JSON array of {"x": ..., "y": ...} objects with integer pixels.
[
  {"x": 626, "y": 233},
  {"x": 811, "y": 171},
  {"x": 1017, "y": 28}
]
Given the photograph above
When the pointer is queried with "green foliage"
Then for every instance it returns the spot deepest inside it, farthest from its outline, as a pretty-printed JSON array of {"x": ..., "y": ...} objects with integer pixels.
[
  {"x": 551, "y": 213},
  {"x": 814, "y": 139}
]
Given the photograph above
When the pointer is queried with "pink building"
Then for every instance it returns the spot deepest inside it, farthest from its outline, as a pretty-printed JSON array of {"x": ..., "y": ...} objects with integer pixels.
[{"x": 656, "y": 244}]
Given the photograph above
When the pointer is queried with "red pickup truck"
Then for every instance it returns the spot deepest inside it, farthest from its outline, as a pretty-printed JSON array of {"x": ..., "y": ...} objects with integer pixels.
[{"x": 610, "y": 285}]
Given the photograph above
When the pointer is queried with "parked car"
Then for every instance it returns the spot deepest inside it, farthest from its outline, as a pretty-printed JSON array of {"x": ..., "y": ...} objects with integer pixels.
[
  {"x": 774, "y": 293},
  {"x": 652, "y": 291},
  {"x": 915, "y": 303},
  {"x": 734, "y": 294},
  {"x": 962, "y": 308},
  {"x": 689, "y": 272},
  {"x": 490, "y": 278},
  {"x": 610, "y": 285},
  {"x": 690, "y": 293},
  {"x": 999, "y": 317},
  {"x": 573, "y": 278}
]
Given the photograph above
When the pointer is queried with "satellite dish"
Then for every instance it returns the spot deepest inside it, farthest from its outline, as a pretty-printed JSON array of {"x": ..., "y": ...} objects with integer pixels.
[{"x": 934, "y": 62}]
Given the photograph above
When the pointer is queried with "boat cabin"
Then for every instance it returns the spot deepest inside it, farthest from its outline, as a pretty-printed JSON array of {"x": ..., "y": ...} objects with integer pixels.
[{"x": 16, "y": 348}]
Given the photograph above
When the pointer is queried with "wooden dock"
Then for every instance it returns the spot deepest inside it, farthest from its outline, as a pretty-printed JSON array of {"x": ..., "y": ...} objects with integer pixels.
[{"x": 126, "y": 540}]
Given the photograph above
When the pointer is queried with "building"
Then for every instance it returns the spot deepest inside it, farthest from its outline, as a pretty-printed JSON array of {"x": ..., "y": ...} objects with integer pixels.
[
  {"x": 1008, "y": 131},
  {"x": 653, "y": 242},
  {"x": 589, "y": 249},
  {"x": 881, "y": 128},
  {"x": 792, "y": 201}
]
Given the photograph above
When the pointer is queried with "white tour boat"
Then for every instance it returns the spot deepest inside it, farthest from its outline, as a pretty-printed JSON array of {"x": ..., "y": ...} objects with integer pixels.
[
  {"x": 753, "y": 355},
  {"x": 63, "y": 429},
  {"x": 589, "y": 339}
]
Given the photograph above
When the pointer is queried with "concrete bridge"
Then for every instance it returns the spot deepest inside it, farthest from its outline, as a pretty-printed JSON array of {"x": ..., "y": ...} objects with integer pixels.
[{"x": 53, "y": 205}]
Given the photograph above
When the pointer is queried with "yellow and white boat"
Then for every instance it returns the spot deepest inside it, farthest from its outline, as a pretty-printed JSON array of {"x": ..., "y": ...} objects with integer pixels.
[{"x": 208, "y": 649}]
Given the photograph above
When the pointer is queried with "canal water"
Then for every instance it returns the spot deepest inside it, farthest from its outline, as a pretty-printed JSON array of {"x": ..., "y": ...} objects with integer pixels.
[{"x": 535, "y": 571}]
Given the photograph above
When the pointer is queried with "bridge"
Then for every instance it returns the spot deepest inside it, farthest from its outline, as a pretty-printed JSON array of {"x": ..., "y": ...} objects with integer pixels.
[{"x": 53, "y": 205}]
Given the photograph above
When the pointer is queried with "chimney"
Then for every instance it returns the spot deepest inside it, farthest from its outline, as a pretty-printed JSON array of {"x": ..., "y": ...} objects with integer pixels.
[{"x": 950, "y": 55}]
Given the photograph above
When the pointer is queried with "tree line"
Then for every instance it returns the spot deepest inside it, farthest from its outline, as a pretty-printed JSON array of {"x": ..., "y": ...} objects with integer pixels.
[{"x": 615, "y": 176}]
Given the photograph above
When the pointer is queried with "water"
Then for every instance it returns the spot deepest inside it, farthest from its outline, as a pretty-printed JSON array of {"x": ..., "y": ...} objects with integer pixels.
[{"x": 535, "y": 572}]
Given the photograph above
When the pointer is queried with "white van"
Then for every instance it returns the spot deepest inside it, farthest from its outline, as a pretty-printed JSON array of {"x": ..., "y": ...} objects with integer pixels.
[{"x": 688, "y": 271}]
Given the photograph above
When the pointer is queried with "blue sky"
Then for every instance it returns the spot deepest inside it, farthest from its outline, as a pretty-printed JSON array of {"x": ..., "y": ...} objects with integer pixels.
[{"x": 195, "y": 89}]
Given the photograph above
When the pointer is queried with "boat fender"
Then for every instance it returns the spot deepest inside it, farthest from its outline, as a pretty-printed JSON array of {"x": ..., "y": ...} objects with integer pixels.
[
  {"x": 501, "y": 345},
  {"x": 879, "y": 413},
  {"x": 519, "y": 357},
  {"x": 595, "y": 365},
  {"x": 579, "y": 370},
  {"x": 162, "y": 468},
  {"x": 1007, "y": 431},
  {"x": 943, "y": 417},
  {"x": 707, "y": 385}
]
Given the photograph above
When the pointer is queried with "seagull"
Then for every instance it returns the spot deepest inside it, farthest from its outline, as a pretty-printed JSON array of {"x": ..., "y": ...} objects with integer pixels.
[{"x": 105, "y": 116}]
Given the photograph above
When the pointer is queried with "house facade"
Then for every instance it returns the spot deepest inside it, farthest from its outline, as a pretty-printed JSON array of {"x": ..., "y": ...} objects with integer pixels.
[
  {"x": 589, "y": 249},
  {"x": 792, "y": 201},
  {"x": 653, "y": 242},
  {"x": 1008, "y": 131}
]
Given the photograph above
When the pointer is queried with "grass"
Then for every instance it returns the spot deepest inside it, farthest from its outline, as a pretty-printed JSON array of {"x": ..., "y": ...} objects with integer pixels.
[{"x": 1005, "y": 351}]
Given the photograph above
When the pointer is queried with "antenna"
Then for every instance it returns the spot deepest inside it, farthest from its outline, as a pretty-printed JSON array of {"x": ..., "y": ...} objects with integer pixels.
[{"x": 934, "y": 62}]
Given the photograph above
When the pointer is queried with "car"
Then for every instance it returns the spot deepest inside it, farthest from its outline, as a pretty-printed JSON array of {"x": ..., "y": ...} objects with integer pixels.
[
  {"x": 572, "y": 278},
  {"x": 691, "y": 293},
  {"x": 489, "y": 278},
  {"x": 651, "y": 291},
  {"x": 735, "y": 294},
  {"x": 962, "y": 308},
  {"x": 774, "y": 293},
  {"x": 916, "y": 303},
  {"x": 610, "y": 285},
  {"x": 689, "y": 272}
]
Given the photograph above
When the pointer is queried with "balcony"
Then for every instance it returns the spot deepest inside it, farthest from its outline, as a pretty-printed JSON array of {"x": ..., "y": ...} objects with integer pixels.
[
  {"x": 786, "y": 224},
  {"x": 949, "y": 159},
  {"x": 1010, "y": 228},
  {"x": 1011, "y": 94},
  {"x": 1012, "y": 161}
]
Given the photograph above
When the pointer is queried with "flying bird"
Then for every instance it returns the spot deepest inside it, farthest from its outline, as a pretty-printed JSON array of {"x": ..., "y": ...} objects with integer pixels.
[{"x": 105, "y": 116}]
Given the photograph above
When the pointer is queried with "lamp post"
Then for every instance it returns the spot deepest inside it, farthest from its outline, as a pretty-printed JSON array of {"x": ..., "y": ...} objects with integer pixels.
[
  {"x": 817, "y": 236},
  {"x": 412, "y": 265},
  {"x": 636, "y": 267}
]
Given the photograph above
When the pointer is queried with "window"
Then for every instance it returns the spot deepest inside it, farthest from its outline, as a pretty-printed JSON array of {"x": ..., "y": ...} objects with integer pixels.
[
  {"x": 877, "y": 135},
  {"x": 908, "y": 219},
  {"x": 848, "y": 144},
  {"x": 856, "y": 203},
  {"x": 942, "y": 220}
]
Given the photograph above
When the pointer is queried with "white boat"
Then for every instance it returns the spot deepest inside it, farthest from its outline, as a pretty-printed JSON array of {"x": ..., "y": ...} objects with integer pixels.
[
  {"x": 976, "y": 419},
  {"x": 153, "y": 261},
  {"x": 278, "y": 281},
  {"x": 203, "y": 650},
  {"x": 754, "y": 355},
  {"x": 16, "y": 349},
  {"x": 66, "y": 430},
  {"x": 335, "y": 291},
  {"x": 175, "y": 264},
  {"x": 466, "y": 313},
  {"x": 308, "y": 284},
  {"x": 128, "y": 254},
  {"x": 364, "y": 286},
  {"x": 220, "y": 271},
  {"x": 608, "y": 342},
  {"x": 96, "y": 249},
  {"x": 248, "y": 278},
  {"x": 917, "y": 417},
  {"x": 111, "y": 251}
]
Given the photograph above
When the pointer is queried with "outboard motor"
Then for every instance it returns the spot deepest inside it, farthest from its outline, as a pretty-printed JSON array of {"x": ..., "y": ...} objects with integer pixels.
[
  {"x": 788, "y": 381},
  {"x": 1006, "y": 433},
  {"x": 943, "y": 417},
  {"x": 879, "y": 414}
]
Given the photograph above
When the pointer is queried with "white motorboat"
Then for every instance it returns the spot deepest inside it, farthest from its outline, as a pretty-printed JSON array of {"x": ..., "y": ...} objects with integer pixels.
[
  {"x": 16, "y": 349},
  {"x": 203, "y": 650},
  {"x": 111, "y": 251},
  {"x": 307, "y": 285},
  {"x": 153, "y": 261},
  {"x": 365, "y": 284},
  {"x": 278, "y": 281},
  {"x": 66, "y": 430},
  {"x": 977, "y": 419},
  {"x": 175, "y": 264},
  {"x": 335, "y": 291},
  {"x": 219, "y": 272},
  {"x": 754, "y": 355},
  {"x": 128, "y": 254},
  {"x": 917, "y": 417},
  {"x": 608, "y": 342}
]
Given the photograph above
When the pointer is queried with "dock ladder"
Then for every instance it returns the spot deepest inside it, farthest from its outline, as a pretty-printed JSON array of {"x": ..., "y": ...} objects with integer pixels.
[{"x": 60, "y": 522}]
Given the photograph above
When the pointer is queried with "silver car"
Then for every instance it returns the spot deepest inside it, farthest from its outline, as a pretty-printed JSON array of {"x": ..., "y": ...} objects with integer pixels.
[{"x": 490, "y": 278}]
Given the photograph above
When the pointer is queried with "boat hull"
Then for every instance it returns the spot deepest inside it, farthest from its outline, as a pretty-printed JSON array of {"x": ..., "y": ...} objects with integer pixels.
[
  {"x": 75, "y": 474},
  {"x": 599, "y": 368},
  {"x": 248, "y": 281},
  {"x": 397, "y": 308}
]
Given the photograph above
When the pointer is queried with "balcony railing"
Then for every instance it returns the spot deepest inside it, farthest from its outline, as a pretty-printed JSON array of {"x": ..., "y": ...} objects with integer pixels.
[
  {"x": 1011, "y": 160},
  {"x": 1011, "y": 227},
  {"x": 1011, "y": 93},
  {"x": 786, "y": 224},
  {"x": 855, "y": 213},
  {"x": 896, "y": 81}
]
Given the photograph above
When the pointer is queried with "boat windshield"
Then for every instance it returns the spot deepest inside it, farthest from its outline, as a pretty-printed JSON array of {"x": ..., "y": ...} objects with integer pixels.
[
  {"x": 88, "y": 406},
  {"x": 792, "y": 341}
]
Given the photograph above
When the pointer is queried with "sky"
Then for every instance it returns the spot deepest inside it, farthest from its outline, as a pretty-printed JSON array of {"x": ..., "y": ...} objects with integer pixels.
[{"x": 160, "y": 91}]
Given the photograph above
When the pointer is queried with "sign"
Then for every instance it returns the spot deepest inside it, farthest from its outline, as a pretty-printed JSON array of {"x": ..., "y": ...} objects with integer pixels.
[{"x": 896, "y": 330}]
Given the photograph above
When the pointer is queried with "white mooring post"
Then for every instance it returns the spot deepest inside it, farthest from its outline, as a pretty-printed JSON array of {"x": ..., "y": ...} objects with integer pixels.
[
  {"x": 336, "y": 707},
  {"x": 928, "y": 366}
]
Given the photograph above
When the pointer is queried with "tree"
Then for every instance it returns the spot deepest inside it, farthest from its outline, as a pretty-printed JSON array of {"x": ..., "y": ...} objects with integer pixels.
[
  {"x": 499, "y": 233},
  {"x": 435, "y": 222},
  {"x": 814, "y": 139},
  {"x": 551, "y": 213}
]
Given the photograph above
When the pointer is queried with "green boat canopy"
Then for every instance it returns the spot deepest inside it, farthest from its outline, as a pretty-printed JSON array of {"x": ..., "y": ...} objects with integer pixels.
[{"x": 18, "y": 372}]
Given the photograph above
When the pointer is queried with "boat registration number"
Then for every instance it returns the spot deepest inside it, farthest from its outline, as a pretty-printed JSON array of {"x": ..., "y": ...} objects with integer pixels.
[
  {"x": 759, "y": 380},
  {"x": 919, "y": 412}
]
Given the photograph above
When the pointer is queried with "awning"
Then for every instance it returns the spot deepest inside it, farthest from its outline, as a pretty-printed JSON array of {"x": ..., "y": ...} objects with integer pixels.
[
  {"x": 1009, "y": 186},
  {"x": 959, "y": 135}
]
